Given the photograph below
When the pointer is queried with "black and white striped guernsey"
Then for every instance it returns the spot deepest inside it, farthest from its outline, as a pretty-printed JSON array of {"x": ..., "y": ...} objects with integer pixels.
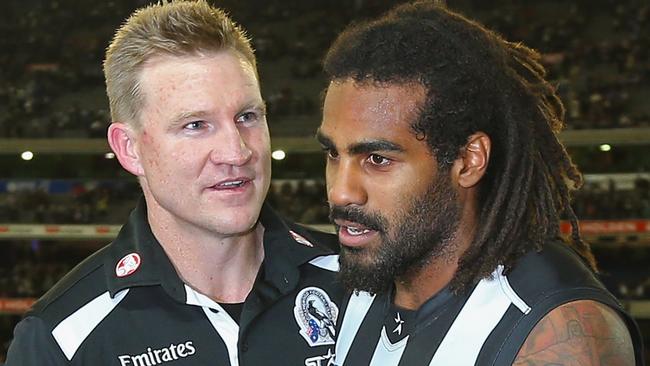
[{"x": 484, "y": 326}]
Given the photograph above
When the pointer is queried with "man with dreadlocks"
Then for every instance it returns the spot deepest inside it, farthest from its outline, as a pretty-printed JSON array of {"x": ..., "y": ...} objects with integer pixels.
[{"x": 446, "y": 182}]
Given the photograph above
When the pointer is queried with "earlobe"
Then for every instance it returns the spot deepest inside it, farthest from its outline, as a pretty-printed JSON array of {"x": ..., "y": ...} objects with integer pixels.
[
  {"x": 473, "y": 160},
  {"x": 121, "y": 138}
]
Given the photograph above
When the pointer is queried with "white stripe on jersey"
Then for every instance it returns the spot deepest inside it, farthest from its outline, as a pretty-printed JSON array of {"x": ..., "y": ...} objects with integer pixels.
[
  {"x": 227, "y": 328},
  {"x": 476, "y": 320},
  {"x": 354, "y": 315},
  {"x": 510, "y": 292},
  {"x": 387, "y": 353},
  {"x": 328, "y": 262},
  {"x": 74, "y": 329}
]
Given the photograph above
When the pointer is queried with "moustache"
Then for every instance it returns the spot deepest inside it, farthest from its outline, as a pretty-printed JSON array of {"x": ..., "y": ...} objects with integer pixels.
[{"x": 371, "y": 221}]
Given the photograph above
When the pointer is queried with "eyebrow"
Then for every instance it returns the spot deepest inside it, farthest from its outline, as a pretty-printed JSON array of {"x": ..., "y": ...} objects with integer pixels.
[
  {"x": 323, "y": 139},
  {"x": 257, "y": 105},
  {"x": 363, "y": 147},
  {"x": 185, "y": 115}
]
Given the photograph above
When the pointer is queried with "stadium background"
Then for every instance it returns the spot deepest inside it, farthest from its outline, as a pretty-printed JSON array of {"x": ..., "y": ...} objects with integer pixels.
[{"x": 62, "y": 196}]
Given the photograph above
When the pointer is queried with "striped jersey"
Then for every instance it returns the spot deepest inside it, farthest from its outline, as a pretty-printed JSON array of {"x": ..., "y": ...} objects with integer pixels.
[{"x": 486, "y": 325}]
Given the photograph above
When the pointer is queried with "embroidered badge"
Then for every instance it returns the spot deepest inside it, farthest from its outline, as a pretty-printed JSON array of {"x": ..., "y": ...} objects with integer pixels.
[
  {"x": 300, "y": 239},
  {"x": 316, "y": 316},
  {"x": 127, "y": 265}
]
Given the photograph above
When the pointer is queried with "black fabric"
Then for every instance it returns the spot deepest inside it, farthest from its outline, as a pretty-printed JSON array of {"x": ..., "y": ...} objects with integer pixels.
[
  {"x": 233, "y": 309},
  {"x": 399, "y": 323},
  {"x": 155, "y": 324}
]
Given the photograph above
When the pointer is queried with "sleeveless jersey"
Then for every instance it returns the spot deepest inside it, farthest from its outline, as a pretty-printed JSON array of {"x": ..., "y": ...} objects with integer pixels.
[{"x": 486, "y": 325}]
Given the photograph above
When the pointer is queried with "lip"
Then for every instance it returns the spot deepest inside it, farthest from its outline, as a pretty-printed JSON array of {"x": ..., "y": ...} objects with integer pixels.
[
  {"x": 222, "y": 186},
  {"x": 355, "y": 241}
]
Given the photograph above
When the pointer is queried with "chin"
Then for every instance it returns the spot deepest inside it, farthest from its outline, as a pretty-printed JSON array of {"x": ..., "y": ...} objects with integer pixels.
[
  {"x": 361, "y": 258},
  {"x": 239, "y": 225}
]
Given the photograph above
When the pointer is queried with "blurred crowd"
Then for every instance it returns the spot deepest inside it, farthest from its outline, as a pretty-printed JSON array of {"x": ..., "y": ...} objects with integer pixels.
[
  {"x": 303, "y": 200},
  {"x": 51, "y": 81},
  {"x": 31, "y": 269},
  {"x": 67, "y": 202},
  {"x": 597, "y": 202}
]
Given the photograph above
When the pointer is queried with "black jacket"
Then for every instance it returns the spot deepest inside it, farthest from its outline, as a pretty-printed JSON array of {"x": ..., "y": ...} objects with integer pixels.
[{"x": 126, "y": 305}]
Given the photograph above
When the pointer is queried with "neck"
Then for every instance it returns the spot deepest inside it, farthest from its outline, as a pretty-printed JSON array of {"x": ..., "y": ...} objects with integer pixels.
[
  {"x": 413, "y": 290},
  {"x": 223, "y": 268}
]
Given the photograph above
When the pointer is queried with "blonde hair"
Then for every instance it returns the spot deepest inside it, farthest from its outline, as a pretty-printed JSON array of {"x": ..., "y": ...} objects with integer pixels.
[{"x": 176, "y": 28}]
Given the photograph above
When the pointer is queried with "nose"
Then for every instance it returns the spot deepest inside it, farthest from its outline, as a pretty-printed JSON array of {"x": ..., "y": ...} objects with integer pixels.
[
  {"x": 345, "y": 184},
  {"x": 231, "y": 148}
]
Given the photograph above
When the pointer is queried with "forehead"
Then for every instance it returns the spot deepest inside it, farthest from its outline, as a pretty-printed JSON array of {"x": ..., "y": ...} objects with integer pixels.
[
  {"x": 377, "y": 110},
  {"x": 194, "y": 67},
  {"x": 198, "y": 79}
]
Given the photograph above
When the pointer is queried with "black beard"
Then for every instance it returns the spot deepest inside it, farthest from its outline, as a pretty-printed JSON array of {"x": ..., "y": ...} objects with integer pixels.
[{"x": 424, "y": 231}]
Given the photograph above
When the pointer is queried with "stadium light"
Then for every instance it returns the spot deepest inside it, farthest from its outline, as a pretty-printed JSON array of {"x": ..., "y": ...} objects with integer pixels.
[
  {"x": 605, "y": 147},
  {"x": 27, "y": 155},
  {"x": 278, "y": 155}
]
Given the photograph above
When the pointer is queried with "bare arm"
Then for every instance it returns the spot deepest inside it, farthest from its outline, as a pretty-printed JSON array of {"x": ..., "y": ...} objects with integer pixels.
[{"x": 584, "y": 332}]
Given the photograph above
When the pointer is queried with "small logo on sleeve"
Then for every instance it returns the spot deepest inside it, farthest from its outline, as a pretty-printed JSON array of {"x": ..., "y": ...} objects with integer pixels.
[
  {"x": 300, "y": 239},
  {"x": 127, "y": 265},
  {"x": 316, "y": 316}
]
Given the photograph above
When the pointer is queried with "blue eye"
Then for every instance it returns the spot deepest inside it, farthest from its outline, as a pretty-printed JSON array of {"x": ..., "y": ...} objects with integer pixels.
[
  {"x": 247, "y": 117},
  {"x": 195, "y": 125}
]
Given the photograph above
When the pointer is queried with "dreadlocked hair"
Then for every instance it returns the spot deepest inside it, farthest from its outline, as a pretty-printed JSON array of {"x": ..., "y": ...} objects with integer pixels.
[{"x": 476, "y": 81}]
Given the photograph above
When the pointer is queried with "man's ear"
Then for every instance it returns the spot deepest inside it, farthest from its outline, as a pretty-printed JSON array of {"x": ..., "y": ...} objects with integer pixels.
[
  {"x": 472, "y": 162},
  {"x": 121, "y": 138}
]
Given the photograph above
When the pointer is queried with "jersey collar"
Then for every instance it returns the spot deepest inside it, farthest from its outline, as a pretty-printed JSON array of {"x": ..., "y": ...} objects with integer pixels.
[
  {"x": 154, "y": 268},
  {"x": 287, "y": 246}
]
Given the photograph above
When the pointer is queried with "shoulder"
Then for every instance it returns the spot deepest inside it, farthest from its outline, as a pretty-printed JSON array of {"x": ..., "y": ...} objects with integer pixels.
[
  {"x": 554, "y": 276},
  {"x": 79, "y": 286},
  {"x": 583, "y": 332},
  {"x": 33, "y": 345},
  {"x": 552, "y": 283}
]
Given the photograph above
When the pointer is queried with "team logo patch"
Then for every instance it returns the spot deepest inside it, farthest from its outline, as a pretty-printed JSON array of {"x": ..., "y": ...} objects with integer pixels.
[
  {"x": 127, "y": 265},
  {"x": 300, "y": 239},
  {"x": 316, "y": 316}
]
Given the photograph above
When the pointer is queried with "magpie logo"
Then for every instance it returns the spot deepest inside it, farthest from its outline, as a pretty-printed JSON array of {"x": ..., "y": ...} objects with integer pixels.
[
  {"x": 158, "y": 356},
  {"x": 316, "y": 316}
]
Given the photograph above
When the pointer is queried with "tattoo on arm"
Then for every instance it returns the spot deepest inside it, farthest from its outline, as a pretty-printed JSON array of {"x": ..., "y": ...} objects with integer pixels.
[{"x": 581, "y": 333}]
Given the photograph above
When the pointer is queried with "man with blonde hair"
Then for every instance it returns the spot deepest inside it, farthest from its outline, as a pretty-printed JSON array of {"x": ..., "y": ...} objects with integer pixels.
[{"x": 203, "y": 272}]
